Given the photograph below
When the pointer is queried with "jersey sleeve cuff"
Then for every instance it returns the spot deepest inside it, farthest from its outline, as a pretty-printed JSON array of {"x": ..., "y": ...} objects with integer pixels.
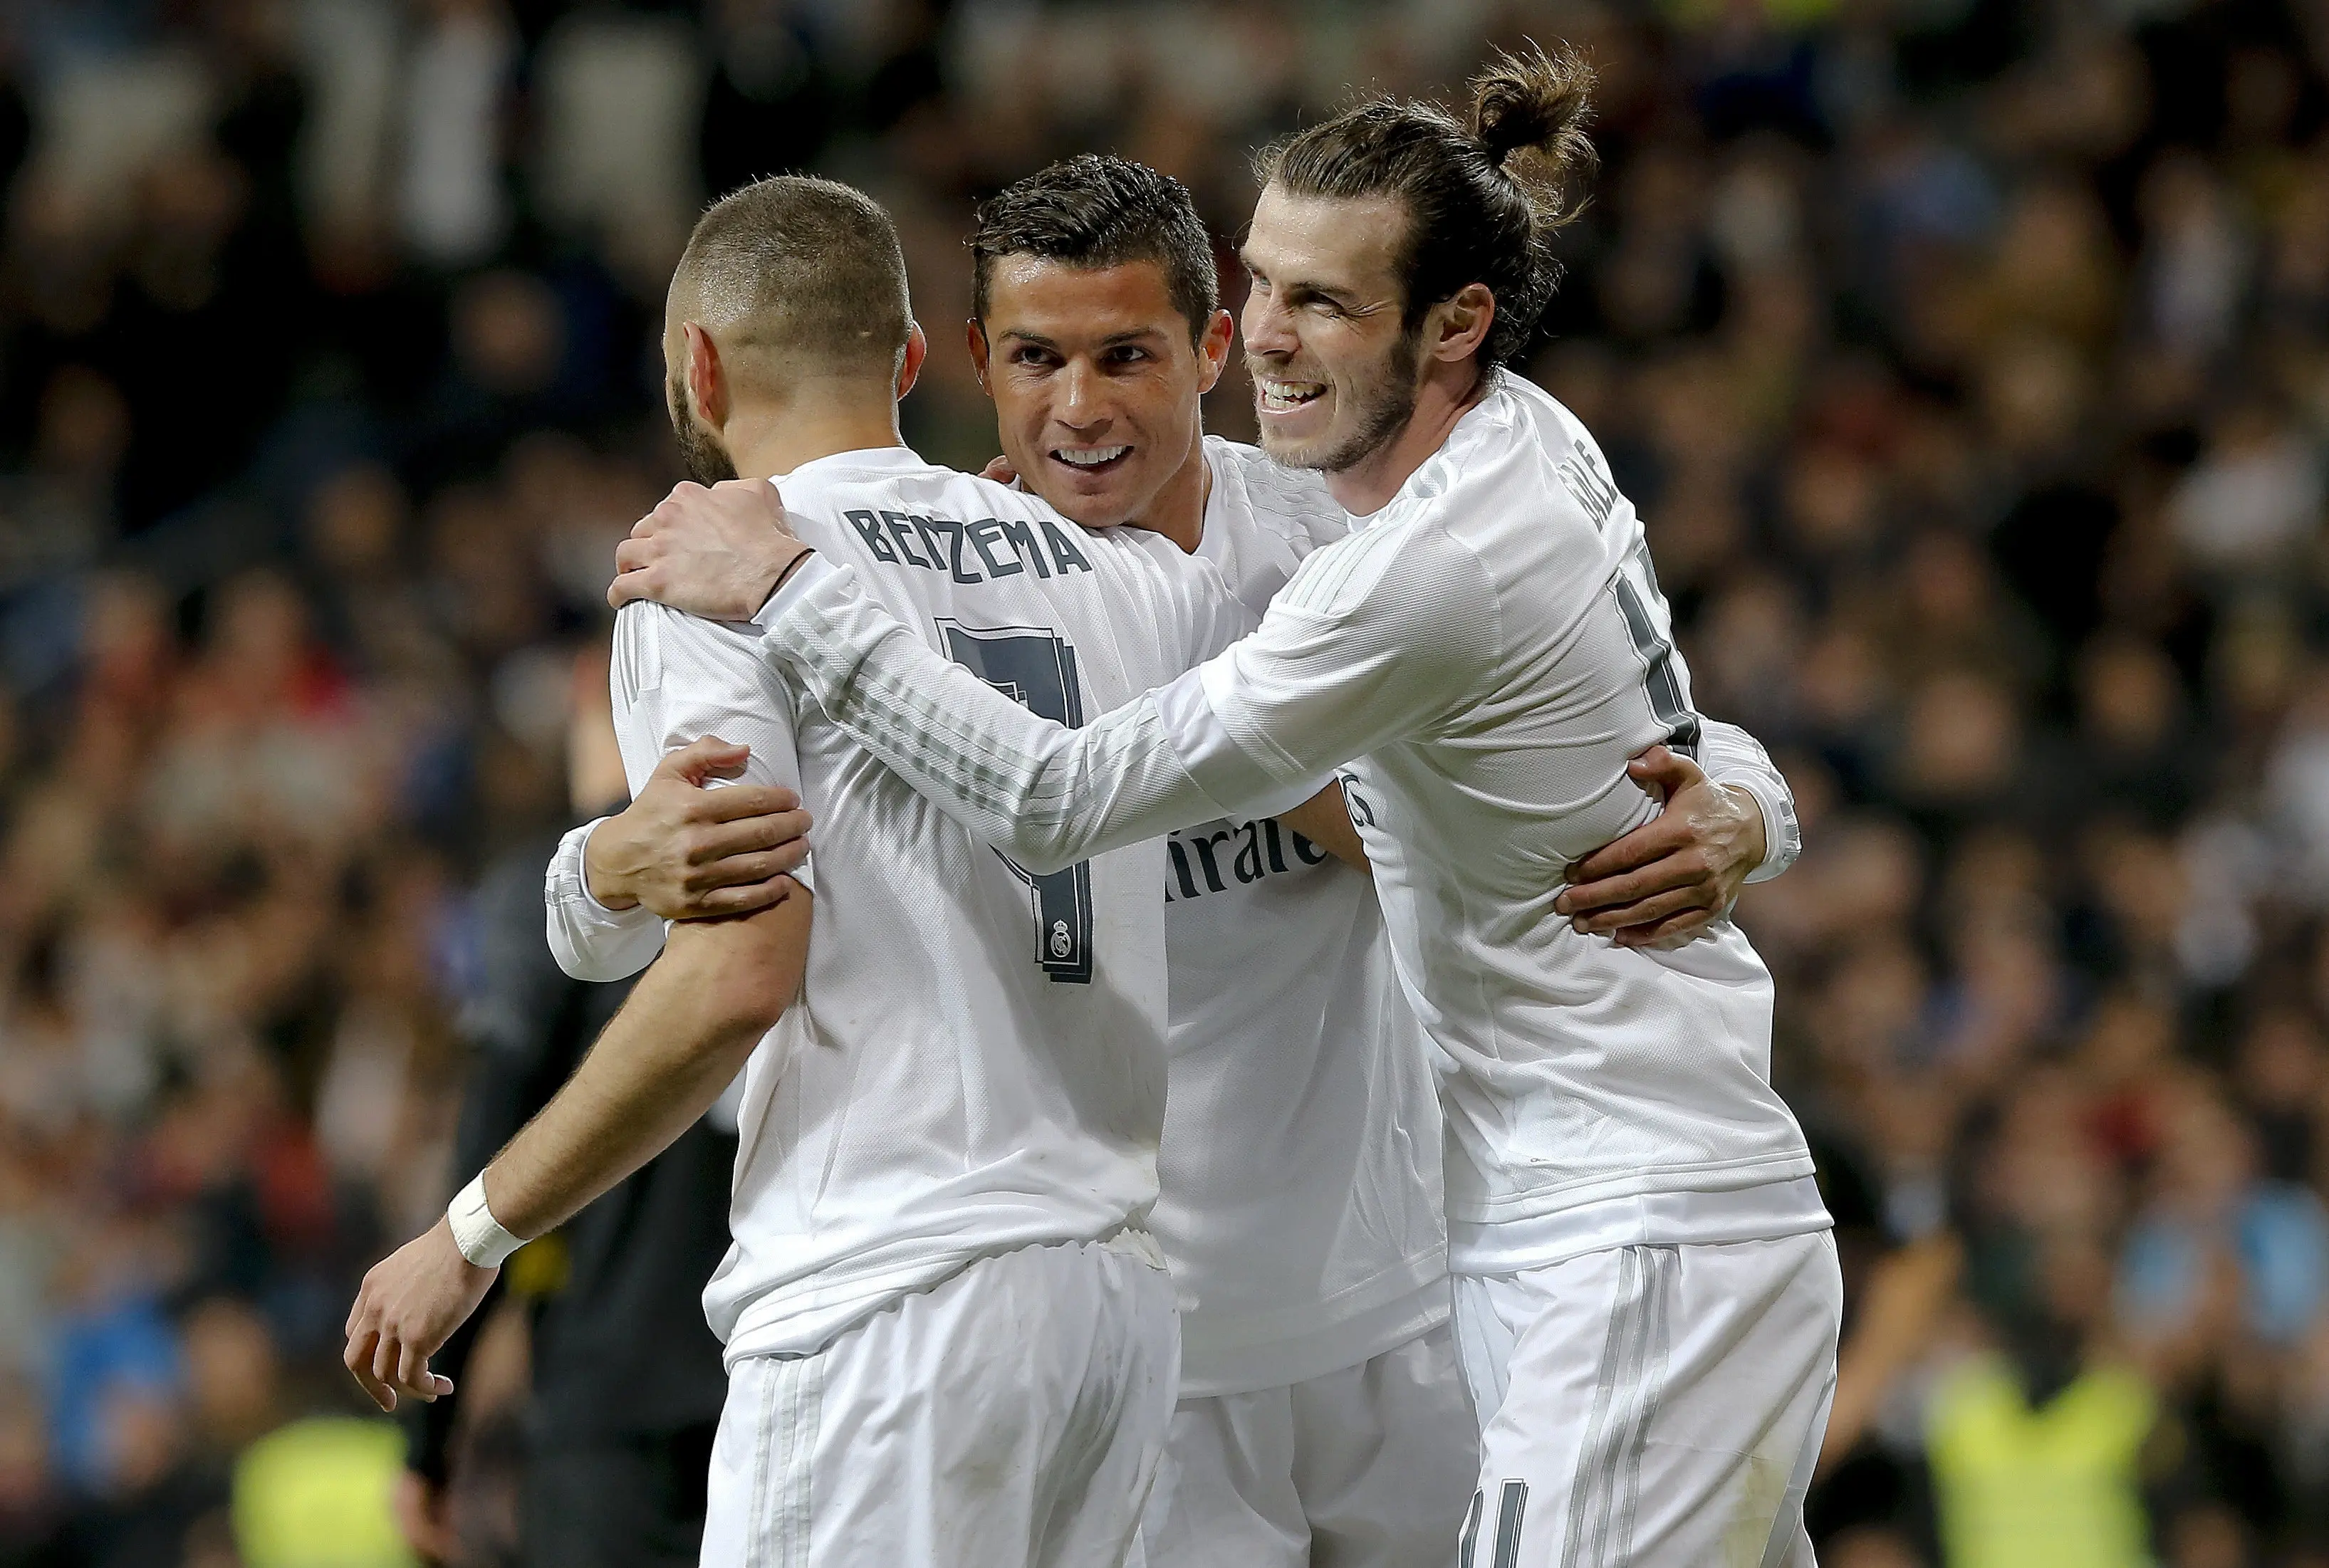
[
  {"x": 812, "y": 570},
  {"x": 590, "y": 941},
  {"x": 574, "y": 860},
  {"x": 1783, "y": 836}
]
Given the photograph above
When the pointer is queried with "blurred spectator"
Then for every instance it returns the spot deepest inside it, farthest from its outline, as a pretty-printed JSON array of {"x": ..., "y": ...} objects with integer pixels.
[
  {"x": 623, "y": 1377},
  {"x": 1969, "y": 363},
  {"x": 452, "y": 207}
]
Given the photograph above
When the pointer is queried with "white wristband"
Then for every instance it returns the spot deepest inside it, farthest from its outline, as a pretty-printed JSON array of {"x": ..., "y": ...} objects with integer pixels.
[{"x": 475, "y": 1231}]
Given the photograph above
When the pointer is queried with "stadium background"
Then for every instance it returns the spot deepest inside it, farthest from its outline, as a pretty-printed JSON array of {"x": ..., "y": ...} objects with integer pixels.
[{"x": 1969, "y": 359}]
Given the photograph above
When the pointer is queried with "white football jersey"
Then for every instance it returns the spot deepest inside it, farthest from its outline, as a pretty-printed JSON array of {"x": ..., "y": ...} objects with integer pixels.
[
  {"x": 978, "y": 1059},
  {"x": 1300, "y": 1175},
  {"x": 1485, "y": 653}
]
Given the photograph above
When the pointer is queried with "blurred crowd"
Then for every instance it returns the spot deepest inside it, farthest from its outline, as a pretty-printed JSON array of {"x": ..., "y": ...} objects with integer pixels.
[{"x": 1969, "y": 359}]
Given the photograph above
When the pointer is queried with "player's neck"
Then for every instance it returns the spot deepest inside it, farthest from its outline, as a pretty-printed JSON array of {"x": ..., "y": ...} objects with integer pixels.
[
  {"x": 766, "y": 439},
  {"x": 1178, "y": 510},
  {"x": 1447, "y": 395}
]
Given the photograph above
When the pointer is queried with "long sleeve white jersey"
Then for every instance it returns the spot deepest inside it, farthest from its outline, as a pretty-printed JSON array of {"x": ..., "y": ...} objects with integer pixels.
[
  {"x": 1300, "y": 1197},
  {"x": 1482, "y": 656},
  {"x": 978, "y": 1059},
  {"x": 1300, "y": 1194}
]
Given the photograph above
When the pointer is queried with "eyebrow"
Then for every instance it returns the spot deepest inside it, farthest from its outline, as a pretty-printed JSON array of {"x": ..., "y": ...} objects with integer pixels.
[
  {"x": 1344, "y": 298},
  {"x": 1112, "y": 340}
]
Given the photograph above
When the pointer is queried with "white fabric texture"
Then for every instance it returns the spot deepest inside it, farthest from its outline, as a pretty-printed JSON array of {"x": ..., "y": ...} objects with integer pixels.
[
  {"x": 1650, "y": 1406},
  {"x": 590, "y": 941},
  {"x": 1299, "y": 1171},
  {"x": 1483, "y": 657},
  {"x": 1733, "y": 757},
  {"x": 1014, "y": 1416},
  {"x": 1367, "y": 1467},
  {"x": 976, "y": 1062}
]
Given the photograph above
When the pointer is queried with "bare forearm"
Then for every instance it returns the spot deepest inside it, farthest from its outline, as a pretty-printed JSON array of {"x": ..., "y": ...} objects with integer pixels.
[
  {"x": 684, "y": 1033},
  {"x": 1325, "y": 821}
]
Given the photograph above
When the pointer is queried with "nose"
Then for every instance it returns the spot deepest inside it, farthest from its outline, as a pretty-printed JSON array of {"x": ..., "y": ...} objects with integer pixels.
[
  {"x": 1269, "y": 328},
  {"x": 1081, "y": 399}
]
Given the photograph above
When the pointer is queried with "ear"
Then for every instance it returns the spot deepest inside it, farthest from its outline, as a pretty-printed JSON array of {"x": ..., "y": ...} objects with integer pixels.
[
  {"x": 1457, "y": 326},
  {"x": 909, "y": 367},
  {"x": 978, "y": 351},
  {"x": 1214, "y": 349},
  {"x": 707, "y": 379}
]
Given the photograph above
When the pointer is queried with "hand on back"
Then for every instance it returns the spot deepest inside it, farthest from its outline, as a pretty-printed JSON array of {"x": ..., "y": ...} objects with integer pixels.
[
  {"x": 688, "y": 851},
  {"x": 1667, "y": 880},
  {"x": 717, "y": 553}
]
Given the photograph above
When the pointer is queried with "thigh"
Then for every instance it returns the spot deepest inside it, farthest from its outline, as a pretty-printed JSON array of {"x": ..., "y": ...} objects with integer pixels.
[
  {"x": 1013, "y": 1415},
  {"x": 1662, "y": 1408},
  {"x": 757, "y": 1494},
  {"x": 1226, "y": 1495},
  {"x": 628, "y": 1503},
  {"x": 1386, "y": 1454},
  {"x": 1103, "y": 1460}
]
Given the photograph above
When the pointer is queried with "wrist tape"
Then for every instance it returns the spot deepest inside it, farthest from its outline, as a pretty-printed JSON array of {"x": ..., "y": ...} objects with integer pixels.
[{"x": 475, "y": 1231}]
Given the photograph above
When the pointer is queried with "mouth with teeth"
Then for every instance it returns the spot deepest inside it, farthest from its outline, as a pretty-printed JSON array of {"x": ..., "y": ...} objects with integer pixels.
[
  {"x": 1090, "y": 459},
  {"x": 1279, "y": 396}
]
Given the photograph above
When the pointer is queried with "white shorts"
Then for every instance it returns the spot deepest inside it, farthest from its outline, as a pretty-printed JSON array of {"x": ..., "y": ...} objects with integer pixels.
[
  {"x": 1655, "y": 1407},
  {"x": 1369, "y": 1466},
  {"x": 1014, "y": 1416}
]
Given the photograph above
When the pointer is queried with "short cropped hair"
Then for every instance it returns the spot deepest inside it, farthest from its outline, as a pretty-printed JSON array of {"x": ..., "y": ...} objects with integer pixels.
[
  {"x": 1092, "y": 210},
  {"x": 801, "y": 267}
]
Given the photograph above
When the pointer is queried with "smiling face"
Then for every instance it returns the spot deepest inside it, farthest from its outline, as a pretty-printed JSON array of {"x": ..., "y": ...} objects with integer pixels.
[
  {"x": 1097, "y": 386},
  {"x": 1335, "y": 368}
]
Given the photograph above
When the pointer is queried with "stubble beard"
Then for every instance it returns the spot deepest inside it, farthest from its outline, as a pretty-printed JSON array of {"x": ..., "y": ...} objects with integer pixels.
[
  {"x": 700, "y": 453},
  {"x": 1386, "y": 405}
]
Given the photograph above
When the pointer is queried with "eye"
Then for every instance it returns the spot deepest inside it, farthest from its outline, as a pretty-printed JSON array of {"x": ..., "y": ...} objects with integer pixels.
[
  {"x": 1029, "y": 355},
  {"x": 1125, "y": 354}
]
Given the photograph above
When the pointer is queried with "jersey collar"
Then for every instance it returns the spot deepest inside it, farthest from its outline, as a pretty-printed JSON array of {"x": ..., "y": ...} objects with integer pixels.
[{"x": 876, "y": 459}]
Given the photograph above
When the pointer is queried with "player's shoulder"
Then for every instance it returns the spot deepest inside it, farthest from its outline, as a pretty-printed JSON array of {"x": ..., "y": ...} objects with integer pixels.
[
  {"x": 1257, "y": 492},
  {"x": 1517, "y": 458},
  {"x": 654, "y": 645},
  {"x": 890, "y": 509},
  {"x": 894, "y": 478},
  {"x": 1378, "y": 566}
]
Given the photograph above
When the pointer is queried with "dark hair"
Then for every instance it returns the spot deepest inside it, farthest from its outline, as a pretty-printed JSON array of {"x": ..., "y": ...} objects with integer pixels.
[
  {"x": 1092, "y": 210},
  {"x": 802, "y": 266},
  {"x": 1483, "y": 196}
]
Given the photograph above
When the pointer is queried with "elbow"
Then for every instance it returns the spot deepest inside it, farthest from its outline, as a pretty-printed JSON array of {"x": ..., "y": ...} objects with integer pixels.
[
  {"x": 1044, "y": 856},
  {"x": 741, "y": 1007},
  {"x": 1039, "y": 848},
  {"x": 740, "y": 974}
]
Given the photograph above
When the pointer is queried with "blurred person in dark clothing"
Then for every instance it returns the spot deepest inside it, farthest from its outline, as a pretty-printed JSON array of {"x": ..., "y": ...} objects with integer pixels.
[
  {"x": 157, "y": 1484},
  {"x": 627, "y": 1383}
]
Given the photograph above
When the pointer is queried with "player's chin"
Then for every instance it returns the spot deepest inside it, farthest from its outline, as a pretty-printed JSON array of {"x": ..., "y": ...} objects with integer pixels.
[
  {"x": 1289, "y": 453},
  {"x": 1104, "y": 496},
  {"x": 1298, "y": 444}
]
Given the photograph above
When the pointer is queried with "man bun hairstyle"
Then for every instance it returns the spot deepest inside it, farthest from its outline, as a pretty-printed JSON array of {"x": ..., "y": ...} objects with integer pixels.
[
  {"x": 801, "y": 268},
  {"x": 1092, "y": 210},
  {"x": 1483, "y": 195},
  {"x": 1534, "y": 104}
]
